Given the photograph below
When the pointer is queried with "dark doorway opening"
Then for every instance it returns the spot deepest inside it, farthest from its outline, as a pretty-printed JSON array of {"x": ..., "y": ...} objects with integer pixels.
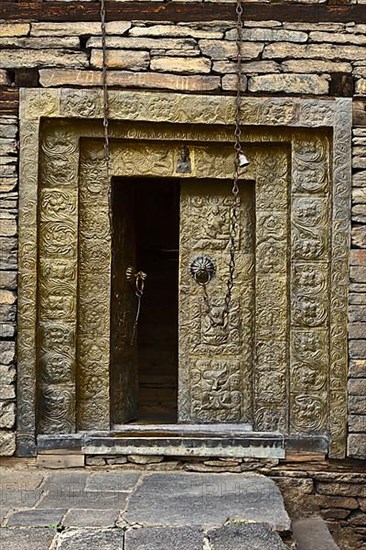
[{"x": 145, "y": 236}]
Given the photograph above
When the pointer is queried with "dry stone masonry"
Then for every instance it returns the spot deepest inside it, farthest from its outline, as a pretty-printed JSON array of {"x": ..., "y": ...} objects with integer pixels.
[{"x": 312, "y": 59}]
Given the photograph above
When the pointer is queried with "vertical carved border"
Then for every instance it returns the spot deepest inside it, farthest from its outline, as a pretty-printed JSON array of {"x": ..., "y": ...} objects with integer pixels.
[
  {"x": 27, "y": 287},
  {"x": 94, "y": 279},
  {"x": 341, "y": 235},
  {"x": 271, "y": 302},
  {"x": 310, "y": 264}
]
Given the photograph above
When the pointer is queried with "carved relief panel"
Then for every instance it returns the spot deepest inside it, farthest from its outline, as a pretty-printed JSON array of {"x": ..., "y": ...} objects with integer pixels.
[{"x": 215, "y": 356}]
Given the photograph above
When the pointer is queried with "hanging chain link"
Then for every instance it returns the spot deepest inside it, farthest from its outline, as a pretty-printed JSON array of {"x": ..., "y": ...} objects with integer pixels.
[
  {"x": 234, "y": 210},
  {"x": 106, "y": 107}
]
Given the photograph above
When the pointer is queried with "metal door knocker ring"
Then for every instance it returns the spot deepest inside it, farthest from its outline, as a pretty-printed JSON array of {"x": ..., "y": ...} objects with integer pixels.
[{"x": 203, "y": 270}]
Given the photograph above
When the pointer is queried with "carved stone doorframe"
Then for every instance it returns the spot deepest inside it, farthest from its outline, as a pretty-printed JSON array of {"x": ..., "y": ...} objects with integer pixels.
[{"x": 321, "y": 183}]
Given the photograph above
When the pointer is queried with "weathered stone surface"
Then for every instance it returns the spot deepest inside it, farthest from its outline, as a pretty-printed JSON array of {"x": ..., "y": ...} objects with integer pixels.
[
  {"x": 7, "y": 313},
  {"x": 227, "y": 50},
  {"x": 18, "y": 59},
  {"x": 357, "y": 350},
  {"x": 7, "y": 415},
  {"x": 316, "y": 66},
  {"x": 357, "y": 313},
  {"x": 344, "y": 489},
  {"x": 8, "y": 280},
  {"x": 145, "y": 459},
  {"x": 313, "y": 533},
  {"x": 192, "y": 83},
  {"x": 8, "y": 227},
  {"x": 7, "y": 445},
  {"x": 116, "y": 460},
  {"x": 8, "y": 297},
  {"x": 14, "y": 481},
  {"x": 31, "y": 539},
  {"x": 257, "y": 67},
  {"x": 84, "y": 500},
  {"x": 7, "y": 391},
  {"x": 333, "y": 27},
  {"x": 350, "y": 503},
  {"x": 190, "y": 499},
  {"x": 35, "y": 518},
  {"x": 78, "y": 28},
  {"x": 359, "y": 162},
  {"x": 7, "y": 352},
  {"x": 357, "y": 423},
  {"x": 305, "y": 486},
  {"x": 269, "y": 35},
  {"x": 121, "y": 59},
  {"x": 357, "y": 449},
  {"x": 359, "y": 195},
  {"x": 7, "y": 130},
  {"x": 175, "y": 31},
  {"x": 357, "y": 330},
  {"x": 338, "y": 38},
  {"x": 82, "y": 539},
  {"x": 357, "y": 368},
  {"x": 94, "y": 461},
  {"x": 359, "y": 236},
  {"x": 149, "y": 44},
  {"x": 357, "y": 386},
  {"x": 298, "y": 84},
  {"x": 7, "y": 330},
  {"x": 90, "y": 518},
  {"x": 14, "y": 29},
  {"x": 71, "y": 42},
  {"x": 111, "y": 481},
  {"x": 167, "y": 538},
  {"x": 357, "y": 404},
  {"x": 230, "y": 82},
  {"x": 200, "y": 467},
  {"x": 180, "y": 65},
  {"x": 287, "y": 50},
  {"x": 253, "y": 536}
]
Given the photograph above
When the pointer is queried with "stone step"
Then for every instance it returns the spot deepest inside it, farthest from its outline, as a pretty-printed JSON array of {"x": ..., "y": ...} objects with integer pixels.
[{"x": 311, "y": 533}]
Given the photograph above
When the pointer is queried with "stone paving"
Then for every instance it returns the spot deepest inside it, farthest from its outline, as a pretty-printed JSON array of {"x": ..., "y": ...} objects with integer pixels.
[{"x": 125, "y": 510}]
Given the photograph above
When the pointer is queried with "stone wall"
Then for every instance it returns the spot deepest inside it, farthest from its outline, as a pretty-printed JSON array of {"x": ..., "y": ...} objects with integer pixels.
[{"x": 279, "y": 58}]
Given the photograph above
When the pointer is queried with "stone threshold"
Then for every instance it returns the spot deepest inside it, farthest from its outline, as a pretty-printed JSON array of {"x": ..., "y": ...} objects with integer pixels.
[{"x": 181, "y": 442}]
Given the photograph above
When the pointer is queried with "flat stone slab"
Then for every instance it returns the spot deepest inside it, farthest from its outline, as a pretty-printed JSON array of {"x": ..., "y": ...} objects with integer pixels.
[
  {"x": 26, "y": 538},
  {"x": 85, "y": 500},
  {"x": 90, "y": 518},
  {"x": 19, "y": 488},
  {"x": 164, "y": 538},
  {"x": 185, "y": 499},
  {"x": 250, "y": 536},
  {"x": 112, "y": 481},
  {"x": 310, "y": 533},
  {"x": 36, "y": 518},
  {"x": 90, "y": 539}
]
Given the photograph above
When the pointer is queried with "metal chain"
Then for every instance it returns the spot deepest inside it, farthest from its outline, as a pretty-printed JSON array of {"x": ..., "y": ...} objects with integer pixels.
[
  {"x": 234, "y": 210},
  {"x": 106, "y": 107}
]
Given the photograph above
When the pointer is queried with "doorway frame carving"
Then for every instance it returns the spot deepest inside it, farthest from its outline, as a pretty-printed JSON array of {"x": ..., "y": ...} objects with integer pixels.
[{"x": 211, "y": 113}]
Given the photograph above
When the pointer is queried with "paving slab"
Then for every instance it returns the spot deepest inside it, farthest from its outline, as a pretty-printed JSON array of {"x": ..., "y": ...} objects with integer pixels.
[
  {"x": 250, "y": 536},
  {"x": 85, "y": 500},
  {"x": 112, "y": 481},
  {"x": 185, "y": 499},
  {"x": 90, "y": 518},
  {"x": 37, "y": 517},
  {"x": 26, "y": 538},
  {"x": 91, "y": 539},
  {"x": 164, "y": 538}
]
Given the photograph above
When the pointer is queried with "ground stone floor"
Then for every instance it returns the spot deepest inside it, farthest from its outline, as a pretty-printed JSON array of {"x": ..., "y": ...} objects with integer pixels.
[{"x": 162, "y": 503}]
